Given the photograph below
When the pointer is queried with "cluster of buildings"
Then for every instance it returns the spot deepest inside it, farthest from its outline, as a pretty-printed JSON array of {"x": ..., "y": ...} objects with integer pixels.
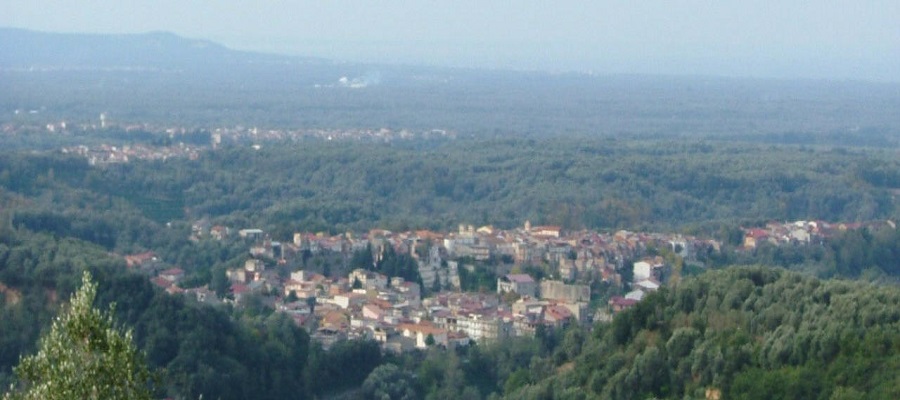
[
  {"x": 188, "y": 142},
  {"x": 801, "y": 232},
  {"x": 106, "y": 154},
  {"x": 405, "y": 315},
  {"x": 242, "y": 134}
]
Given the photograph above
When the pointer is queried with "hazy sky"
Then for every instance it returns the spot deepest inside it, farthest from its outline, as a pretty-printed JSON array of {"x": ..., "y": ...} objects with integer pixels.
[{"x": 809, "y": 39}]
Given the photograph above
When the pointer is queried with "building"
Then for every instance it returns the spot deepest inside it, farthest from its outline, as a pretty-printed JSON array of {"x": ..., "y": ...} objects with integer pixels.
[
  {"x": 251, "y": 234},
  {"x": 368, "y": 279},
  {"x": 478, "y": 326},
  {"x": 422, "y": 331},
  {"x": 522, "y": 284}
]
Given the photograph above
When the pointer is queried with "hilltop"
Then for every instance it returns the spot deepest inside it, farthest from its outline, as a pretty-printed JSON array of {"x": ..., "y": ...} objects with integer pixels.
[{"x": 25, "y": 49}]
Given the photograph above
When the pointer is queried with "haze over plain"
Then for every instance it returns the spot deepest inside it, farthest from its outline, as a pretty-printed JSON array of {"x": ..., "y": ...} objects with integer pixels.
[{"x": 836, "y": 40}]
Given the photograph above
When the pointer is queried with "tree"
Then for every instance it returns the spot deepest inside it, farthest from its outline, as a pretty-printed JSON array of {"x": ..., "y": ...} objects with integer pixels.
[
  {"x": 389, "y": 382},
  {"x": 85, "y": 356},
  {"x": 436, "y": 287}
]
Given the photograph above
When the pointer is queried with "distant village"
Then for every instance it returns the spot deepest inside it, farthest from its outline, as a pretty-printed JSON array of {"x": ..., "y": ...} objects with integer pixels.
[
  {"x": 183, "y": 142},
  {"x": 366, "y": 304}
]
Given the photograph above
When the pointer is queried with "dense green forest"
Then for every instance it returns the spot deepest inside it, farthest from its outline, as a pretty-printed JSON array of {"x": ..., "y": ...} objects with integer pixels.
[
  {"x": 740, "y": 331},
  {"x": 752, "y": 332},
  {"x": 576, "y": 182}
]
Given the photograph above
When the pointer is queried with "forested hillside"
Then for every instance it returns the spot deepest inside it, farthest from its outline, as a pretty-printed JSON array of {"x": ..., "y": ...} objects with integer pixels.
[
  {"x": 747, "y": 333},
  {"x": 743, "y": 331}
]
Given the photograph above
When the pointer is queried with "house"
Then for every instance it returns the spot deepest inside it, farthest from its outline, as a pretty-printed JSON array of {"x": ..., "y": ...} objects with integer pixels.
[
  {"x": 568, "y": 269},
  {"x": 457, "y": 339},
  {"x": 636, "y": 295},
  {"x": 254, "y": 265},
  {"x": 173, "y": 275},
  {"x": 372, "y": 311},
  {"x": 480, "y": 325},
  {"x": 557, "y": 316},
  {"x": 238, "y": 275},
  {"x": 239, "y": 290},
  {"x": 301, "y": 289},
  {"x": 522, "y": 284},
  {"x": 368, "y": 279},
  {"x": 200, "y": 228},
  {"x": 800, "y": 235},
  {"x": 347, "y": 300},
  {"x": 219, "y": 232},
  {"x": 619, "y": 303},
  {"x": 203, "y": 295},
  {"x": 135, "y": 260},
  {"x": 161, "y": 282},
  {"x": 647, "y": 285},
  {"x": 648, "y": 268},
  {"x": 422, "y": 331},
  {"x": 755, "y": 237},
  {"x": 251, "y": 234},
  {"x": 547, "y": 231},
  {"x": 409, "y": 291}
]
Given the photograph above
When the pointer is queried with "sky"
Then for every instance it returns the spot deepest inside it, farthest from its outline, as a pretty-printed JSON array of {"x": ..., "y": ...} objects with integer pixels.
[{"x": 822, "y": 39}]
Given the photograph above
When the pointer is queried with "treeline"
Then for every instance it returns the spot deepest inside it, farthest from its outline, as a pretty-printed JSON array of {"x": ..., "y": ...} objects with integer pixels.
[
  {"x": 871, "y": 253},
  {"x": 577, "y": 182}
]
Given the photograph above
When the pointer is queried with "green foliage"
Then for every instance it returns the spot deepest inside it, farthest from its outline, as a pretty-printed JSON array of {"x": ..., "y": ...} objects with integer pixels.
[
  {"x": 750, "y": 332},
  {"x": 727, "y": 330},
  {"x": 345, "y": 365},
  {"x": 871, "y": 252},
  {"x": 354, "y": 186},
  {"x": 84, "y": 356},
  {"x": 388, "y": 382},
  {"x": 398, "y": 264},
  {"x": 362, "y": 259},
  {"x": 481, "y": 279}
]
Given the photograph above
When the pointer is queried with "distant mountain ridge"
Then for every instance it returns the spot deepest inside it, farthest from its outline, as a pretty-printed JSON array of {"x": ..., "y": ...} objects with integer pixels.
[{"x": 23, "y": 48}]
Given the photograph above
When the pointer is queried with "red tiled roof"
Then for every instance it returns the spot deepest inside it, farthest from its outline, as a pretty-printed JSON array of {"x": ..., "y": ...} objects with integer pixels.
[
  {"x": 622, "y": 302},
  {"x": 239, "y": 288},
  {"x": 161, "y": 282},
  {"x": 173, "y": 271}
]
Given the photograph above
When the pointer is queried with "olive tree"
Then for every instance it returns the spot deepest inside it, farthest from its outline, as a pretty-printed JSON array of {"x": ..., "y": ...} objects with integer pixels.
[{"x": 84, "y": 356}]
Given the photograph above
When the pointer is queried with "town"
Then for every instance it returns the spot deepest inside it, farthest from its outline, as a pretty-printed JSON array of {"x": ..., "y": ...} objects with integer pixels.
[
  {"x": 436, "y": 309},
  {"x": 143, "y": 141}
]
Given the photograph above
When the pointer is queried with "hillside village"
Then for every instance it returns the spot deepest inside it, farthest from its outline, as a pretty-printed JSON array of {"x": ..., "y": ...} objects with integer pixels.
[{"x": 432, "y": 308}]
